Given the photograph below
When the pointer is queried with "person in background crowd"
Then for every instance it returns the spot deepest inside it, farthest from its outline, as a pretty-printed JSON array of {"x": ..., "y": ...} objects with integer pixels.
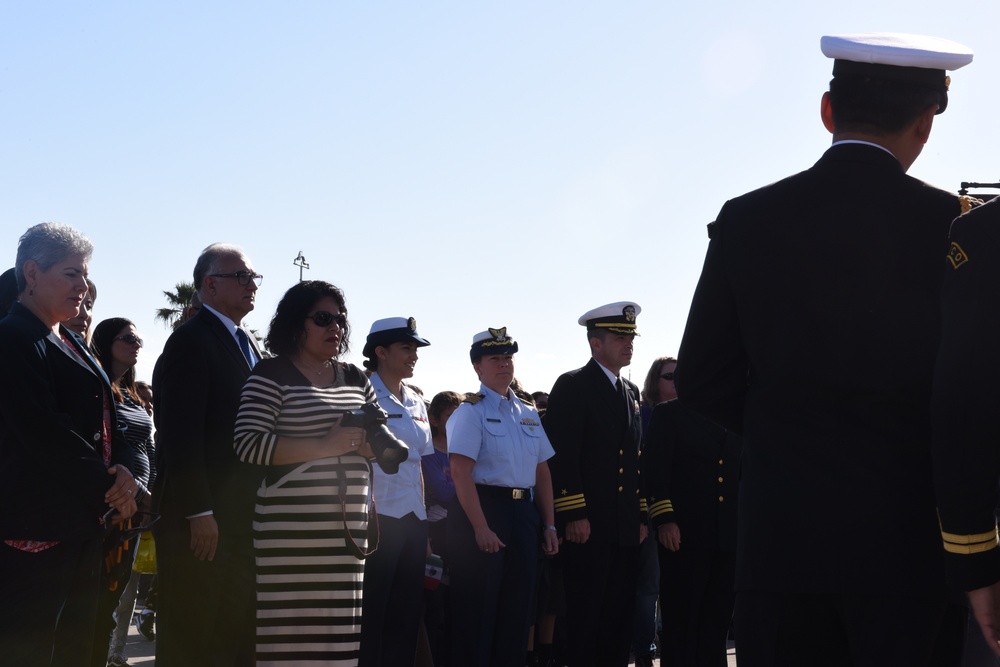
[
  {"x": 658, "y": 387},
  {"x": 394, "y": 574},
  {"x": 498, "y": 453},
  {"x": 541, "y": 400},
  {"x": 311, "y": 521},
  {"x": 691, "y": 468},
  {"x": 593, "y": 422},
  {"x": 833, "y": 269},
  {"x": 64, "y": 468},
  {"x": 8, "y": 291},
  {"x": 80, "y": 324},
  {"x": 116, "y": 345},
  {"x": 204, "y": 542},
  {"x": 440, "y": 493}
]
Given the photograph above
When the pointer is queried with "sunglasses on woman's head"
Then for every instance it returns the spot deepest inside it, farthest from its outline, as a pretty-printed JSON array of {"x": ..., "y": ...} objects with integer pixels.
[{"x": 321, "y": 318}]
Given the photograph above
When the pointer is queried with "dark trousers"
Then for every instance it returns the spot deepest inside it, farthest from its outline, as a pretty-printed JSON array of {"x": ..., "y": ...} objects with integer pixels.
[
  {"x": 600, "y": 582},
  {"x": 47, "y": 604},
  {"x": 491, "y": 593},
  {"x": 393, "y": 600},
  {"x": 696, "y": 599},
  {"x": 647, "y": 589},
  {"x": 793, "y": 629},
  {"x": 206, "y": 610}
]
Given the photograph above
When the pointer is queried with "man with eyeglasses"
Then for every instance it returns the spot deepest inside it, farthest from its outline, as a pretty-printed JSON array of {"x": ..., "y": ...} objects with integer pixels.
[
  {"x": 206, "y": 609},
  {"x": 813, "y": 333}
]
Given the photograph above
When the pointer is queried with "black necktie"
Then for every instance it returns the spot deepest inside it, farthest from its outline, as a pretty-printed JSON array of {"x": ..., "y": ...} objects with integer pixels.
[{"x": 244, "y": 341}]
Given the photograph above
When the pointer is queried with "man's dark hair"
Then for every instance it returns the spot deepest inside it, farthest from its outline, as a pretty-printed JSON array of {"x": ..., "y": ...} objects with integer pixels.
[{"x": 877, "y": 106}]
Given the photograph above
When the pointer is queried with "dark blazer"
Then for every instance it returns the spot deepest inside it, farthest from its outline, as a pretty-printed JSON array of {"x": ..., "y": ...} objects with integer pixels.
[
  {"x": 691, "y": 466},
  {"x": 595, "y": 471},
  {"x": 813, "y": 332},
  {"x": 966, "y": 396},
  {"x": 52, "y": 472},
  {"x": 197, "y": 383}
]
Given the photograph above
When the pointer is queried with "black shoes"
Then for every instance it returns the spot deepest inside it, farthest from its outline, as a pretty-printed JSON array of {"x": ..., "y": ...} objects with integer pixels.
[{"x": 144, "y": 623}]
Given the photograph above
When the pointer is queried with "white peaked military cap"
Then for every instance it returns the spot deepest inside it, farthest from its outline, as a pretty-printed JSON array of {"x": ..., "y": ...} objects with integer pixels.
[
  {"x": 618, "y": 317},
  {"x": 917, "y": 59}
]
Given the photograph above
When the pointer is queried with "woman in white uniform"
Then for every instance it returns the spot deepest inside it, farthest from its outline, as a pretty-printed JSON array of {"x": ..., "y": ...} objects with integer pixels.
[{"x": 394, "y": 574}]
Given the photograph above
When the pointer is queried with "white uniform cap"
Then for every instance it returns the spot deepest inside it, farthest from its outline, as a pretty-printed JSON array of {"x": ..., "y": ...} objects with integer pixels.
[
  {"x": 900, "y": 50},
  {"x": 617, "y": 317}
]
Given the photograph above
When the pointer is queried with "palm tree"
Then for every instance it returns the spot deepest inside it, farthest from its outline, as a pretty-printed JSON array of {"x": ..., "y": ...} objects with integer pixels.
[{"x": 179, "y": 302}]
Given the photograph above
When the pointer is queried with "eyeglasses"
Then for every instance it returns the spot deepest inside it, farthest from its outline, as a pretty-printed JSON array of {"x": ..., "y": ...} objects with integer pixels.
[
  {"x": 321, "y": 318},
  {"x": 131, "y": 339},
  {"x": 668, "y": 376},
  {"x": 243, "y": 277}
]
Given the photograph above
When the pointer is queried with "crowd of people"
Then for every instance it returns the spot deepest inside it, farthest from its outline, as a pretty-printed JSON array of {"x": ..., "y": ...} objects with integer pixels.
[{"x": 817, "y": 457}]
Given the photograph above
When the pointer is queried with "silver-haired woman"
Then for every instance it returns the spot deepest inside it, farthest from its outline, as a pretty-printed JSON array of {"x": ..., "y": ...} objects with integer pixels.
[{"x": 64, "y": 468}]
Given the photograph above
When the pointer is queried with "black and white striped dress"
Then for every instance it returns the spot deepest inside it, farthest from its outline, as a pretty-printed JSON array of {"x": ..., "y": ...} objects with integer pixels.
[{"x": 309, "y": 582}]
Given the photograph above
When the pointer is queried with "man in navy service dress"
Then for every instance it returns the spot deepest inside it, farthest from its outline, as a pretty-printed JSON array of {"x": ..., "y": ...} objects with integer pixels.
[
  {"x": 595, "y": 428},
  {"x": 813, "y": 333}
]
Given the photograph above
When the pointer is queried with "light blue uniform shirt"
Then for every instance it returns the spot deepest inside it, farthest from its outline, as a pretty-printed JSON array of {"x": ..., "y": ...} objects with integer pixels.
[
  {"x": 398, "y": 495},
  {"x": 503, "y": 436}
]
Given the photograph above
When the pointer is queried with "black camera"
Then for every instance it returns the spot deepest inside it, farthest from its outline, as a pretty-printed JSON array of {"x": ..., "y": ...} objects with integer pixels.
[{"x": 389, "y": 450}]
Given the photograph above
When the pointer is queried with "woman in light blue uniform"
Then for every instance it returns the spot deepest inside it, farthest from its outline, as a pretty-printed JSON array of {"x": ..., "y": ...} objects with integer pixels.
[
  {"x": 498, "y": 453},
  {"x": 394, "y": 574}
]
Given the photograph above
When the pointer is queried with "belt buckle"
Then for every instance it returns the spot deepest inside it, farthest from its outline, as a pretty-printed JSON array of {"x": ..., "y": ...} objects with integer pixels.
[{"x": 517, "y": 494}]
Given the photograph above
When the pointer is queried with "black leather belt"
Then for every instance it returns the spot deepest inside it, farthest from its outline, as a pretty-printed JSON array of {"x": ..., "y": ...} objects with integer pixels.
[{"x": 504, "y": 492}]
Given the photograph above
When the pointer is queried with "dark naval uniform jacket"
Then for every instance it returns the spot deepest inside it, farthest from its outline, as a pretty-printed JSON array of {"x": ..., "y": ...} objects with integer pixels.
[
  {"x": 966, "y": 395},
  {"x": 813, "y": 333},
  {"x": 691, "y": 468},
  {"x": 595, "y": 471}
]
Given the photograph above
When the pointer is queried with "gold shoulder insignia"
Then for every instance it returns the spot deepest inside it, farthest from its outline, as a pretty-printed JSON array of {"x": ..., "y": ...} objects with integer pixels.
[
  {"x": 968, "y": 203},
  {"x": 957, "y": 256},
  {"x": 472, "y": 399}
]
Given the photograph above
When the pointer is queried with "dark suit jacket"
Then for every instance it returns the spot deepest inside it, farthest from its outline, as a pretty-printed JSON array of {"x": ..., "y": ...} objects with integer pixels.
[
  {"x": 197, "y": 383},
  {"x": 691, "y": 466},
  {"x": 52, "y": 472},
  {"x": 595, "y": 471},
  {"x": 966, "y": 396},
  {"x": 813, "y": 332}
]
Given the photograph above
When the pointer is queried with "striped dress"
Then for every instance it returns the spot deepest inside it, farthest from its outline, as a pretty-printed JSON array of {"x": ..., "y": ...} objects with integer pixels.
[{"x": 309, "y": 582}]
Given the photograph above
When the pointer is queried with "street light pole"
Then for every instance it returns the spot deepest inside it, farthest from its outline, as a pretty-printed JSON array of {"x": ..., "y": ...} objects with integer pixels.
[{"x": 300, "y": 262}]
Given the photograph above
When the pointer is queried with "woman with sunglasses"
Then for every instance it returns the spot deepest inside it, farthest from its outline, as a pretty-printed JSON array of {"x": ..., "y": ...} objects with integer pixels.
[
  {"x": 311, "y": 516},
  {"x": 691, "y": 471},
  {"x": 116, "y": 345},
  {"x": 394, "y": 581}
]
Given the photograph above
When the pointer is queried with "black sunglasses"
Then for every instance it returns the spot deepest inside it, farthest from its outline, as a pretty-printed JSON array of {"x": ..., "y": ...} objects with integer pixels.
[
  {"x": 668, "y": 376},
  {"x": 321, "y": 318},
  {"x": 131, "y": 339}
]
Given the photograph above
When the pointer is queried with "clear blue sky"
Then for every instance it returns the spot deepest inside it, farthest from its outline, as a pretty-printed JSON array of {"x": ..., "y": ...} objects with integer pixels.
[{"x": 468, "y": 164}]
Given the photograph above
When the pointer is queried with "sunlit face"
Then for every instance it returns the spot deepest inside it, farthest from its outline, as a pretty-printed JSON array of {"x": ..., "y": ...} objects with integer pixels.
[
  {"x": 614, "y": 351},
  {"x": 57, "y": 294},
  {"x": 319, "y": 343},
  {"x": 496, "y": 371},
  {"x": 81, "y": 323},
  {"x": 227, "y": 295},
  {"x": 125, "y": 353},
  {"x": 666, "y": 385},
  {"x": 397, "y": 359}
]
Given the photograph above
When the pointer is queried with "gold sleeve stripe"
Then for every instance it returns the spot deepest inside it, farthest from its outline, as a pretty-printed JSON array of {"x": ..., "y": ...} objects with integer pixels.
[
  {"x": 642, "y": 505},
  {"x": 661, "y": 507},
  {"x": 970, "y": 544},
  {"x": 575, "y": 501}
]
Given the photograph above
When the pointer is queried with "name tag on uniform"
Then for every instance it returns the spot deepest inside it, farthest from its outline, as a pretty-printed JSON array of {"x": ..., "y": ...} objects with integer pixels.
[
  {"x": 395, "y": 416},
  {"x": 493, "y": 421}
]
